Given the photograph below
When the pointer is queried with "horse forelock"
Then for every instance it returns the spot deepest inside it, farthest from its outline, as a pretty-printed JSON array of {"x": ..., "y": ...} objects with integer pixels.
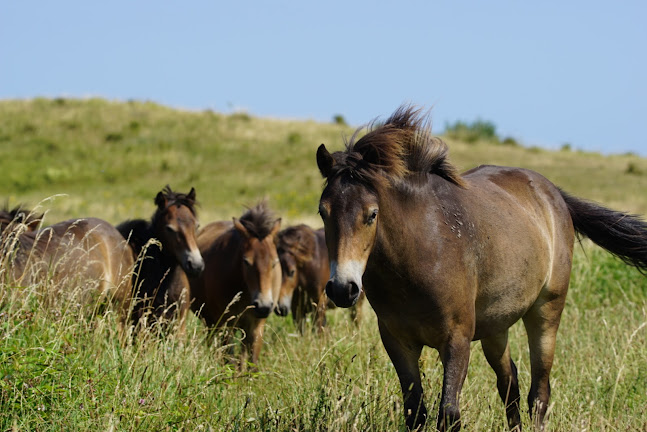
[
  {"x": 299, "y": 241},
  {"x": 259, "y": 220},
  {"x": 395, "y": 149},
  {"x": 179, "y": 198}
]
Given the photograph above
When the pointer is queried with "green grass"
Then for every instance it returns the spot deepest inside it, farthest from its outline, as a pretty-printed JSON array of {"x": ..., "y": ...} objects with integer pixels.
[{"x": 65, "y": 368}]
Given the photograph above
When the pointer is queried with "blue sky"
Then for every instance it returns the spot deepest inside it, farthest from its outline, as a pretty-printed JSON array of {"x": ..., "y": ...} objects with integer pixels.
[{"x": 546, "y": 73}]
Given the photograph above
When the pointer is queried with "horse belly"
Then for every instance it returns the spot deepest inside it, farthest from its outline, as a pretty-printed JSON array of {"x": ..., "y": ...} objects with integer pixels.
[{"x": 504, "y": 301}]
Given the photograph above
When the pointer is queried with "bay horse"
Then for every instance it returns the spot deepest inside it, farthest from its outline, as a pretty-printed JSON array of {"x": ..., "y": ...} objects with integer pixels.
[
  {"x": 305, "y": 270},
  {"x": 160, "y": 246},
  {"x": 242, "y": 277},
  {"x": 89, "y": 254},
  {"x": 447, "y": 259}
]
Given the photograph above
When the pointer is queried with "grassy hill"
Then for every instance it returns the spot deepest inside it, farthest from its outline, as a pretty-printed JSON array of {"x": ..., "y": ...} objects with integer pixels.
[
  {"x": 65, "y": 368},
  {"x": 111, "y": 158}
]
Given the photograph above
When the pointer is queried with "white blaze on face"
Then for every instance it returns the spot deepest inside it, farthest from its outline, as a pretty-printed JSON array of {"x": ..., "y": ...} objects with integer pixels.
[{"x": 347, "y": 271}]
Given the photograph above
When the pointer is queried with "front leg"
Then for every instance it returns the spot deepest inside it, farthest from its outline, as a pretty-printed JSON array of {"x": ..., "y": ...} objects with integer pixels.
[
  {"x": 405, "y": 355},
  {"x": 455, "y": 355},
  {"x": 253, "y": 341},
  {"x": 320, "y": 313}
]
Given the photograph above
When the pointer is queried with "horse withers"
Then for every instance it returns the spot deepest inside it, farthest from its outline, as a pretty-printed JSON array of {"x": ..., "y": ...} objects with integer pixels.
[
  {"x": 161, "y": 247},
  {"x": 305, "y": 271},
  {"x": 242, "y": 278},
  {"x": 447, "y": 259}
]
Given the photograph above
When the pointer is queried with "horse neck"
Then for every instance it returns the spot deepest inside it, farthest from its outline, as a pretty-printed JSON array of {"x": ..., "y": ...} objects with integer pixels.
[{"x": 405, "y": 210}]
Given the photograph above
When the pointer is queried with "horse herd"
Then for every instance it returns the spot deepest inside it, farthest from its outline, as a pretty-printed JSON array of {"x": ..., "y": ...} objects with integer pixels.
[
  {"x": 230, "y": 273},
  {"x": 443, "y": 258}
]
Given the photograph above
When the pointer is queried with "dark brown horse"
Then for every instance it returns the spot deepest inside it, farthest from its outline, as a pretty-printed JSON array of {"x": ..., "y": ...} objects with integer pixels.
[
  {"x": 447, "y": 259},
  {"x": 160, "y": 246},
  {"x": 242, "y": 278},
  {"x": 82, "y": 255},
  {"x": 19, "y": 215},
  {"x": 305, "y": 267}
]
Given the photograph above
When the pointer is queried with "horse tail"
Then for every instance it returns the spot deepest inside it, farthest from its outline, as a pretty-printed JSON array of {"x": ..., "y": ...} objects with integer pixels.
[{"x": 622, "y": 234}]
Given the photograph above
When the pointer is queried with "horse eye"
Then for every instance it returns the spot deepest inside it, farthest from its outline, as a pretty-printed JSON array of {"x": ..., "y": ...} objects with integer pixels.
[
  {"x": 322, "y": 213},
  {"x": 247, "y": 261},
  {"x": 291, "y": 273},
  {"x": 371, "y": 217},
  {"x": 170, "y": 229}
]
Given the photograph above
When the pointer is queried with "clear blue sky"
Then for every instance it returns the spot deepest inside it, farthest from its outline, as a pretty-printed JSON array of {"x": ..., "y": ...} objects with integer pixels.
[{"x": 544, "y": 72}]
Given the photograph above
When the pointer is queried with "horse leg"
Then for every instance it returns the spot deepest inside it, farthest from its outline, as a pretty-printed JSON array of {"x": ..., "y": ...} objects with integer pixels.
[
  {"x": 455, "y": 356},
  {"x": 497, "y": 353},
  {"x": 253, "y": 341},
  {"x": 356, "y": 311},
  {"x": 320, "y": 312},
  {"x": 541, "y": 322},
  {"x": 405, "y": 360}
]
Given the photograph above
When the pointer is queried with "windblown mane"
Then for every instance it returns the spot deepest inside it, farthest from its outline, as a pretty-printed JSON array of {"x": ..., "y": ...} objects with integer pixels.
[
  {"x": 298, "y": 240},
  {"x": 401, "y": 146},
  {"x": 259, "y": 220}
]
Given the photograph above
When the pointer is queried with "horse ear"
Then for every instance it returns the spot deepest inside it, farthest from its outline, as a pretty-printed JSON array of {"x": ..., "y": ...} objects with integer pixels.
[
  {"x": 276, "y": 228},
  {"x": 241, "y": 228},
  {"x": 325, "y": 161},
  {"x": 191, "y": 195},
  {"x": 160, "y": 200}
]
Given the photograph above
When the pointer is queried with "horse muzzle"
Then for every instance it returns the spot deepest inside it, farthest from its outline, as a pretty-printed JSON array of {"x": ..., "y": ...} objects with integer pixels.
[
  {"x": 193, "y": 265},
  {"x": 343, "y": 294},
  {"x": 261, "y": 309},
  {"x": 281, "y": 310}
]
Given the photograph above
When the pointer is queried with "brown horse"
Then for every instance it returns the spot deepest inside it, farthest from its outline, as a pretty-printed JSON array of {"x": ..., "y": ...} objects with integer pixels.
[
  {"x": 242, "y": 277},
  {"x": 305, "y": 268},
  {"x": 447, "y": 259},
  {"x": 160, "y": 246},
  {"x": 19, "y": 215},
  {"x": 88, "y": 254}
]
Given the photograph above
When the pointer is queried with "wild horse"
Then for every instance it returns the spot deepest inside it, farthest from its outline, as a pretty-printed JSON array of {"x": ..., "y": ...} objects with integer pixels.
[
  {"x": 447, "y": 259},
  {"x": 160, "y": 246},
  {"x": 305, "y": 268},
  {"x": 242, "y": 278},
  {"x": 79, "y": 256}
]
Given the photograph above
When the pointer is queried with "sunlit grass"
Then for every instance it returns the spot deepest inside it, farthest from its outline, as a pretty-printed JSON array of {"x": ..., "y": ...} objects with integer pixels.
[{"x": 67, "y": 368}]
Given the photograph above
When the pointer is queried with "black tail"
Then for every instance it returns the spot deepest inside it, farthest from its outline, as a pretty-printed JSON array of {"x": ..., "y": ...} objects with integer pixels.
[{"x": 624, "y": 235}]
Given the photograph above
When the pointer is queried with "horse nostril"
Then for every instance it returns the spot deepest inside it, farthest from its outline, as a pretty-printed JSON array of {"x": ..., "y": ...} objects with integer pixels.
[
  {"x": 343, "y": 295},
  {"x": 353, "y": 290}
]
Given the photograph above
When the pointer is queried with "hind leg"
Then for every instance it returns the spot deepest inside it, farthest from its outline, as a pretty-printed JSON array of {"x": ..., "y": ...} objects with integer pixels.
[
  {"x": 497, "y": 353},
  {"x": 542, "y": 322}
]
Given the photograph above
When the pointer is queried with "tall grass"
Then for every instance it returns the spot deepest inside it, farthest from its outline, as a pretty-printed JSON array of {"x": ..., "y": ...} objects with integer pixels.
[
  {"x": 66, "y": 367},
  {"x": 69, "y": 371}
]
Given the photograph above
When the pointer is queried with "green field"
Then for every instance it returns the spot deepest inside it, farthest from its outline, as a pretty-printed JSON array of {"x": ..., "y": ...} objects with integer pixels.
[{"x": 65, "y": 369}]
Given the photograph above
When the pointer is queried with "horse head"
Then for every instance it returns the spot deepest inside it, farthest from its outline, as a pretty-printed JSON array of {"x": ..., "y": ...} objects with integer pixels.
[
  {"x": 349, "y": 210},
  {"x": 175, "y": 223},
  {"x": 260, "y": 260}
]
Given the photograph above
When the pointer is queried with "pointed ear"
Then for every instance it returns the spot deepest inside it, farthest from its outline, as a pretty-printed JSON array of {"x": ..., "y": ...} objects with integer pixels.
[
  {"x": 191, "y": 195},
  {"x": 160, "y": 200},
  {"x": 241, "y": 228},
  {"x": 325, "y": 161},
  {"x": 276, "y": 228}
]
